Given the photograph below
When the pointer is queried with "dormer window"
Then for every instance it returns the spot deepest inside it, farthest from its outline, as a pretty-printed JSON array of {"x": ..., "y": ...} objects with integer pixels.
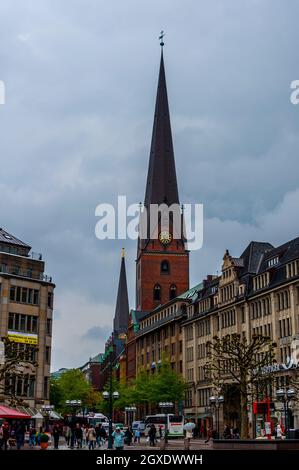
[{"x": 273, "y": 261}]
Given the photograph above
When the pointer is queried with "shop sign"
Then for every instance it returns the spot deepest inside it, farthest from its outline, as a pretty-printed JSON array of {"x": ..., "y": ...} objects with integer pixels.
[{"x": 24, "y": 338}]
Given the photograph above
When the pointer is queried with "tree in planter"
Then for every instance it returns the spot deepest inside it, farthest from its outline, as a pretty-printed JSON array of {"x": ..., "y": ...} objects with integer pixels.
[
  {"x": 232, "y": 359},
  {"x": 18, "y": 361}
]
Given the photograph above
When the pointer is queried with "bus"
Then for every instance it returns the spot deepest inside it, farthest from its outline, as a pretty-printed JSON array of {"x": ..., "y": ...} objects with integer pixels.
[
  {"x": 174, "y": 424},
  {"x": 98, "y": 418}
]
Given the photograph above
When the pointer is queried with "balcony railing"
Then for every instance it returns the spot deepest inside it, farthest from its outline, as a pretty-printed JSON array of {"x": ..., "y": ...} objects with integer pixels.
[{"x": 24, "y": 273}]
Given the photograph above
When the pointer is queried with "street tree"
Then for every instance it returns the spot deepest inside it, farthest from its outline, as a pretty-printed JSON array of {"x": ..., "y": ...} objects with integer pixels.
[
  {"x": 72, "y": 385},
  {"x": 234, "y": 360}
]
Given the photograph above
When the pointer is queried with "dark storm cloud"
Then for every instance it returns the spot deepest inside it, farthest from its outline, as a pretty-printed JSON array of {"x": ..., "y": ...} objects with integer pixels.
[{"x": 75, "y": 131}]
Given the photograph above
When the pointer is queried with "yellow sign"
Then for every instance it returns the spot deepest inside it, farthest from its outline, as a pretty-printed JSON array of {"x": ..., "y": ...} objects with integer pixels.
[{"x": 22, "y": 338}]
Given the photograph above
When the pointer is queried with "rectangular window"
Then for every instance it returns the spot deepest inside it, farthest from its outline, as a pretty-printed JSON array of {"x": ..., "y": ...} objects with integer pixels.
[
  {"x": 46, "y": 388},
  {"x": 12, "y": 293},
  {"x": 47, "y": 354},
  {"x": 243, "y": 314},
  {"x": 11, "y": 321},
  {"x": 23, "y": 323},
  {"x": 50, "y": 300},
  {"x": 49, "y": 329},
  {"x": 36, "y": 297},
  {"x": 30, "y": 296},
  {"x": 34, "y": 324},
  {"x": 24, "y": 295},
  {"x": 18, "y": 295}
]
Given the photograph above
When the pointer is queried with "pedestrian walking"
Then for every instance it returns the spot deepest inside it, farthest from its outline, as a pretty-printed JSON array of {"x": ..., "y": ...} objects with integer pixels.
[
  {"x": 91, "y": 437},
  {"x": 20, "y": 434},
  {"x": 32, "y": 437},
  {"x": 278, "y": 432},
  {"x": 137, "y": 435},
  {"x": 118, "y": 437},
  {"x": 84, "y": 436},
  {"x": 129, "y": 436},
  {"x": 227, "y": 432},
  {"x": 5, "y": 434},
  {"x": 103, "y": 434},
  {"x": 152, "y": 435},
  {"x": 67, "y": 435},
  {"x": 98, "y": 434},
  {"x": 209, "y": 434},
  {"x": 56, "y": 435}
]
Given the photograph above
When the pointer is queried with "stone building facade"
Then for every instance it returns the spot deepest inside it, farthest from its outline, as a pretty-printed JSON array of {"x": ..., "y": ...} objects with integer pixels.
[
  {"x": 257, "y": 293},
  {"x": 26, "y": 315}
]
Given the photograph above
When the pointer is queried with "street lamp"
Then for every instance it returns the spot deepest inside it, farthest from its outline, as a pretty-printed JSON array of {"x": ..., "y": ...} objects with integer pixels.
[
  {"x": 285, "y": 396},
  {"x": 47, "y": 409},
  {"x": 130, "y": 410},
  {"x": 216, "y": 402},
  {"x": 73, "y": 404},
  {"x": 166, "y": 405},
  {"x": 110, "y": 396}
]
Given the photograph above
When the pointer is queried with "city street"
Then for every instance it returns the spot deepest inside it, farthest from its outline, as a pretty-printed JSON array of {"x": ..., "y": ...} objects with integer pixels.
[{"x": 175, "y": 444}]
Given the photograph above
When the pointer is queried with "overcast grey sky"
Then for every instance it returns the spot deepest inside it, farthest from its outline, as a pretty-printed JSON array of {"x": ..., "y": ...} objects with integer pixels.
[{"x": 81, "y": 80}]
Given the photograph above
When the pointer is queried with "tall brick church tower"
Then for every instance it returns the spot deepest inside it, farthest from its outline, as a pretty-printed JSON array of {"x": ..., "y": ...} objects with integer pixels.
[{"x": 162, "y": 265}]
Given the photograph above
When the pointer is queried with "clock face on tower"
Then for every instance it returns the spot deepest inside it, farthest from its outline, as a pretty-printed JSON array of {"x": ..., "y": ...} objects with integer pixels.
[{"x": 165, "y": 237}]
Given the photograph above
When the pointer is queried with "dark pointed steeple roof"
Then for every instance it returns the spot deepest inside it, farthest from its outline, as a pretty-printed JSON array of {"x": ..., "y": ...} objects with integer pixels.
[
  {"x": 161, "y": 184},
  {"x": 121, "y": 317}
]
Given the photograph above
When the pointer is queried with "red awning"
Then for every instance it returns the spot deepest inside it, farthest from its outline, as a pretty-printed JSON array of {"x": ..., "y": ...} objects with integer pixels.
[{"x": 6, "y": 412}]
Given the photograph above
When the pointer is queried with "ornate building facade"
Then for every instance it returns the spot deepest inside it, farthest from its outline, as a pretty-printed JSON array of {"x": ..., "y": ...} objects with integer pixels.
[{"x": 257, "y": 293}]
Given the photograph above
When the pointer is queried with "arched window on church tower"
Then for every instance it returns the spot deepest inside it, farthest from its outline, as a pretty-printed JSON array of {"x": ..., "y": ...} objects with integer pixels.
[
  {"x": 172, "y": 292},
  {"x": 164, "y": 267},
  {"x": 157, "y": 292}
]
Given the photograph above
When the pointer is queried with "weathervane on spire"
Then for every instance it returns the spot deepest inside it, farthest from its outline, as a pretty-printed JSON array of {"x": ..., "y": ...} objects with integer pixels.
[{"x": 162, "y": 34}]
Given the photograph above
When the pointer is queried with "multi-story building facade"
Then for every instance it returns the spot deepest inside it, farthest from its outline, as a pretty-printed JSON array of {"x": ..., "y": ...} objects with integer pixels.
[
  {"x": 26, "y": 314},
  {"x": 92, "y": 371},
  {"x": 257, "y": 293},
  {"x": 160, "y": 334}
]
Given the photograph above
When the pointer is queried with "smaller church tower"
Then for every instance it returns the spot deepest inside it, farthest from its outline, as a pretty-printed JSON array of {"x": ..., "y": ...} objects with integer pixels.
[{"x": 121, "y": 316}]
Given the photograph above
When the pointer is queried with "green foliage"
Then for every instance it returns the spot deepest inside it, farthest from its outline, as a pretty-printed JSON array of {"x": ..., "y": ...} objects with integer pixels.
[
  {"x": 72, "y": 385},
  {"x": 163, "y": 385}
]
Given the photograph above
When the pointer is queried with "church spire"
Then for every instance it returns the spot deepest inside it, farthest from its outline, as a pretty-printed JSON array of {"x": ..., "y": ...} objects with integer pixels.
[
  {"x": 161, "y": 186},
  {"x": 121, "y": 317}
]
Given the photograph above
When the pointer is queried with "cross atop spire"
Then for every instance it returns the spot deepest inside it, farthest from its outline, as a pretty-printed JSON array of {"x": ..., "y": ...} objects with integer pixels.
[
  {"x": 161, "y": 38},
  {"x": 161, "y": 186}
]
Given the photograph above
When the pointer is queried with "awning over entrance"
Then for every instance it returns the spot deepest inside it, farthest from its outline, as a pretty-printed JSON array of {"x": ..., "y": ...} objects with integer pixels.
[{"x": 11, "y": 413}]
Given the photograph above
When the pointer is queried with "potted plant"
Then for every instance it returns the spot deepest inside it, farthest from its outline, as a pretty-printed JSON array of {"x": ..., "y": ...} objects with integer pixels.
[{"x": 44, "y": 441}]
